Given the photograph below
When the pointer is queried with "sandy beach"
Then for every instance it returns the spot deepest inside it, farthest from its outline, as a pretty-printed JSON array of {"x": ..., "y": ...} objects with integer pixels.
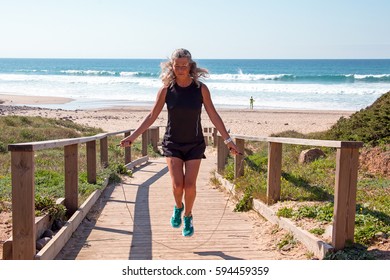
[
  {"x": 239, "y": 121},
  {"x": 9, "y": 99}
]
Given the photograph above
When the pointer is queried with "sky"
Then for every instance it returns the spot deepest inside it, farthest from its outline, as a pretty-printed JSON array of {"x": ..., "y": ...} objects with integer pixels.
[{"x": 250, "y": 29}]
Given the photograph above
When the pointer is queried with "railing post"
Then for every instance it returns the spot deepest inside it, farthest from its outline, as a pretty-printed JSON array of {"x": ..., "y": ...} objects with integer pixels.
[
  {"x": 274, "y": 172},
  {"x": 155, "y": 135},
  {"x": 222, "y": 154},
  {"x": 206, "y": 137},
  {"x": 71, "y": 177},
  {"x": 104, "y": 152},
  {"x": 145, "y": 142},
  {"x": 127, "y": 151},
  {"x": 239, "y": 159},
  {"x": 347, "y": 160},
  {"x": 91, "y": 162},
  {"x": 215, "y": 137},
  {"x": 23, "y": 205}
]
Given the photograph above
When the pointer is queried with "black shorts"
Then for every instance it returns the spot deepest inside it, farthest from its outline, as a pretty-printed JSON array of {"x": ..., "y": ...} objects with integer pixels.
[{"x": 185, "y": 152}]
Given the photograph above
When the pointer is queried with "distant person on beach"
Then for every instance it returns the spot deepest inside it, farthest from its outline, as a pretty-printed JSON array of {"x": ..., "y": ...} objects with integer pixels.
[
  {"x": 183, "y": 143},
  {"x": 251, "y": 100}
]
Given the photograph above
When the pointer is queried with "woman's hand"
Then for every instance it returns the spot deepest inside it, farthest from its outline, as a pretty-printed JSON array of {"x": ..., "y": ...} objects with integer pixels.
[
  {"x": 125, "y": 142},
  {"x": 233, "y": 148}
]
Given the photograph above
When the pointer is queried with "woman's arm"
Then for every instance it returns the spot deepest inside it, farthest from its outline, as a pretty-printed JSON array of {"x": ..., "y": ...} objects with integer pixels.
[
  {"x": 216, "y": 119},
  {"x": 149, "y": 119}
]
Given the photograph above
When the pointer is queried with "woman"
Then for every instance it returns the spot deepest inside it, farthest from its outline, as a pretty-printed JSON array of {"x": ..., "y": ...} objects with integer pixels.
[{"x": 183, "y": 143}]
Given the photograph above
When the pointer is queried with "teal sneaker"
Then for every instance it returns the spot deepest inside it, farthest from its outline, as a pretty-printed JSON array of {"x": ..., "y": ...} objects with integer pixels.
[
  {"x": 176, "y": 216},
  {"x": 188, "y": 229}
]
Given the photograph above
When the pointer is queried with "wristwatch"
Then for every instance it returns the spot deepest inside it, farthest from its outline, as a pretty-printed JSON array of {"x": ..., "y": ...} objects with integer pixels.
[{"x": 228, "y": 141}]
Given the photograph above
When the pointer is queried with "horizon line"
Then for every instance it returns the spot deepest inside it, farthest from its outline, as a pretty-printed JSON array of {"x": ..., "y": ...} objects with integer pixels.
[{"x": 151, "y": 58}]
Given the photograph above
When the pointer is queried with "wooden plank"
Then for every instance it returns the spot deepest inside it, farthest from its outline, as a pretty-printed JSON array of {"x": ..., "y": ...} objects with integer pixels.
[
  {"x": 50, "y": 144},
  {"x": 23, "y": 205},
  {"x": 345, "y": 197},
  {"x": 313, "y": 142},
  {"x": 299, "y": 141},
  {"x": 137, "y": 162},
  {"x": 71, "y": 177},
  {"x": 91, "y": 162},
  {"x": 274, "y": 172},
  {"x": 126, "y": 131}
]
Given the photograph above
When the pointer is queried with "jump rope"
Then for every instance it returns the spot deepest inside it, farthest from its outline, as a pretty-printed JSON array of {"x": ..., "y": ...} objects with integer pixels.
[{"x": 179, "y": 249}]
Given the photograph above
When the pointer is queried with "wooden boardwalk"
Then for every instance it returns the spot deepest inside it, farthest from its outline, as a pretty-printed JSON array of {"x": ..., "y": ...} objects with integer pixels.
[{"x": 131, "y": 221}]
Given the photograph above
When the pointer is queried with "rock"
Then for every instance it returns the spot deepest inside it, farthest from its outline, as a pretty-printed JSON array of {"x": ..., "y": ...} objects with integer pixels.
[
  {"x": 57, "y": 224},
  {"x": 42, "y": 242},
  {"x": 46, "y": 240},
  {"x": 48, "y": 233},
  {"x": 39, "y": 244},
  {"x": 381, "y": 235},
  {"x": 310, "y": 155}
]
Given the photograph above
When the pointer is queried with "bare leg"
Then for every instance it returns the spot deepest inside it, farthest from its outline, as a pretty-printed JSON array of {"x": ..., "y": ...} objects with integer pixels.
[
  {"x": 191, "y": 173},
  {"x": 175, "y": 166}
]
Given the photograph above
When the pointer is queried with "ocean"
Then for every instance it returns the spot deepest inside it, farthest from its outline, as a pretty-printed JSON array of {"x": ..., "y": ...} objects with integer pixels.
[{"x": 285, "y": 84}]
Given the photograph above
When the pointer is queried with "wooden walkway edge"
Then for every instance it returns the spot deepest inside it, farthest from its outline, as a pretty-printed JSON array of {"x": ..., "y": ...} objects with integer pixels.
[{"x": 131, "y": 221}]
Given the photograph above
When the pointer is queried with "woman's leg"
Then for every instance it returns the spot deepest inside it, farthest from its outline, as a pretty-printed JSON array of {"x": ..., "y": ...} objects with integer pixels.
[
  {"x": 175, "y": 166},
  {"x": 190, "y": 176}
]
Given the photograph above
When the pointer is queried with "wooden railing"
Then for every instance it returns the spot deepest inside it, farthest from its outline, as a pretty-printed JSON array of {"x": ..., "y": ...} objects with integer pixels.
[
  {"x": 23, "y": 166},
  {"x": 23, "y": 189},
  {"x": 347, "y": 160}
]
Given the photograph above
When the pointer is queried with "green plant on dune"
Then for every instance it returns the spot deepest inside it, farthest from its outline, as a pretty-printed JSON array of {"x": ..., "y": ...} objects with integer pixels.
[{"x": 370, "y": 125}]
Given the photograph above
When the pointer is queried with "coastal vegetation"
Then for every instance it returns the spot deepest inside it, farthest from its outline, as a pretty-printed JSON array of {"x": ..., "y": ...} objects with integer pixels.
[{"x": 311, "y": 185}]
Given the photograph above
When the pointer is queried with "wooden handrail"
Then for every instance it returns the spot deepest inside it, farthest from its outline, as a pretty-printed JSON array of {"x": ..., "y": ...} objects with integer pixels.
[
  {"x": 300, "y": 141},
  {"x": 347, "y": 162},
  {"x": 58, "y": 143},
  {"x": 50, "y": 144}
]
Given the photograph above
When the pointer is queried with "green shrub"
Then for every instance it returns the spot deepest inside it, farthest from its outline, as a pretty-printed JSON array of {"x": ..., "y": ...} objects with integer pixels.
[
  {"x": 47, "y": 205},
  {"x": 350, "y": 252},
  {"x": 285, "y": 212},
  {"x": 3, "y": 147},
  {"x": 246, "y": 202},
  {"x": 370, "y": 125},
  {"x": 317, "y": 231}
]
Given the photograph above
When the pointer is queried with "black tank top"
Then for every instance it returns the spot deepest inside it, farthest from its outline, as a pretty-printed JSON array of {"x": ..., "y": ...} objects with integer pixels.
[{"x": 184, "y": 106}]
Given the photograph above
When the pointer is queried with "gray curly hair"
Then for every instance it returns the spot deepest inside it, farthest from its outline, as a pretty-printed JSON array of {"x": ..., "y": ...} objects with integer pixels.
[{"x": 168, "y": 76}]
